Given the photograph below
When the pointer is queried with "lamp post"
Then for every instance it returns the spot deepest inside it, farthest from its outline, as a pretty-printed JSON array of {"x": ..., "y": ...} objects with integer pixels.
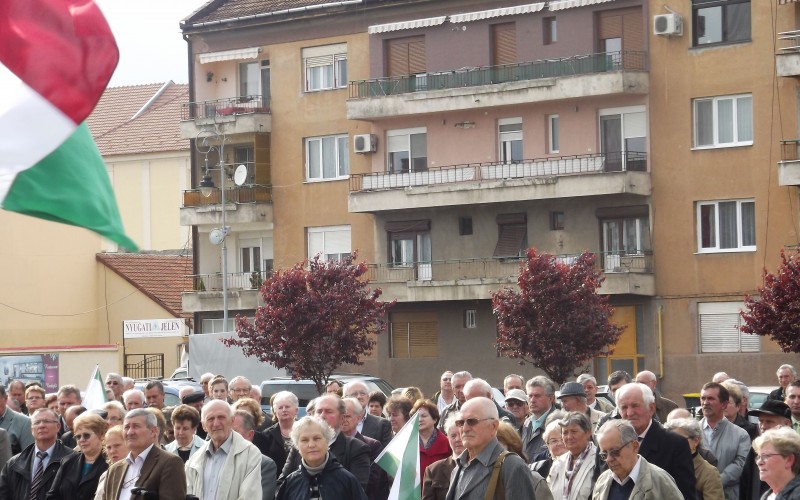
[{"x": 206, "y": 188}]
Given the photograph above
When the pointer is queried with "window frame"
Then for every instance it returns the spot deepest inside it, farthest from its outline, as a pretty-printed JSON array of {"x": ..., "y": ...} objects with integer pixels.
[
  {"x": 698, "y": 5},
  {"x": 740, "y": 236},
  {"x": 407, "y": 133},
  {"x": 324, "y": 230},
  {"x": 340, "y": 141},
  {"x": 724, "y": 312},
  {"x": 333, "y": 57},
  {"x": 553, "y": 134},
  {"x": 507, "y": 138},
  {"x": 549, "y": 30},
  {"x": 715, "y": 129}
]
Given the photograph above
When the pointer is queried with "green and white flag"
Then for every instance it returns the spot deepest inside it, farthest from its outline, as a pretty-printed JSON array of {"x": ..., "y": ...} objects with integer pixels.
[
  {"x": 95, "y": 396},
  {"x": 400, "y": 459}
]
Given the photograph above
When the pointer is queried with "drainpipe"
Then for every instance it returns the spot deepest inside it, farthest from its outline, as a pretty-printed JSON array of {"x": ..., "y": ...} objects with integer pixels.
[{"x": 660, "y": 341}]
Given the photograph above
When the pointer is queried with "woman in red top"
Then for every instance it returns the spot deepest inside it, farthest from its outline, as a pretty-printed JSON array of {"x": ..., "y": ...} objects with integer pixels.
[{"x": 433, "y": 444}]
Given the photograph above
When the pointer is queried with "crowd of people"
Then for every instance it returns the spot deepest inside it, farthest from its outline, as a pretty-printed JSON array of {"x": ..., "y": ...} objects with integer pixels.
[{"x": 545, "y": 442}]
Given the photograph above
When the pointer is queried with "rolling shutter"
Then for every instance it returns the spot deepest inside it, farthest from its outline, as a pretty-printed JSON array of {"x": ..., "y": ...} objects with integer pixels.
[
  {"x": 513, "y": 231},
  {"x": 405, "y": 56},
  {"x": 414, "y": 335},
  {"x": 504, "y": 44},
  {"x": 719, "y": 329}
]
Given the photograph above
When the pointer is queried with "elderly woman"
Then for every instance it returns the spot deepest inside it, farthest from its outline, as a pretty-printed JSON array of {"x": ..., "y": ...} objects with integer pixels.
[
  {"x": 510, "y": 440},
  {"x": 79, "y": 474},
  {"x": 278, "y": 443},
  {"x": 436, "y": 480},
  {"x": 398, "y": 410},
  {"x": 115, "y": 413},
  {"x": 320, "y": 475},
  {"x": 778, "y": 461},
  {"x": 433, "y": 445},
  {"x": 185, "y": 420},
  {"x": 555, "y": 448},
  {"x": 707, "y": 479},
  {"x": 572, "y": 474}
]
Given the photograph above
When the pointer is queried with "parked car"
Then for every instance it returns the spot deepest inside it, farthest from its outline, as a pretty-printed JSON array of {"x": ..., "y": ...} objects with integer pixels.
[
  {"x": 305, "y": 390},
  {"x": 758, "y": 394},
  {"x": 172, "y": 389}
]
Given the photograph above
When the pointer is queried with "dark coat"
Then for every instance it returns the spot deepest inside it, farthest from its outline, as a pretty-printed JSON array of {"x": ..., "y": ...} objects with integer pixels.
[
  {"x": 15, "y": 479},
  {"x": 379, "y": 483},
  {"x": 273, "y": 446},
  {"x": 377, "y": 428},
  {"x": 777, "y": 394},
  {"x": 790, "y": 492},
  {"x": 68, "y": 483},
  {"x": 161, "y": 471},
  {"x": 335, "y": 483},
  {"x": 670, "y": 452},
  {"x": 351, "y": 453},
  {"x": 436, "y": 480}
]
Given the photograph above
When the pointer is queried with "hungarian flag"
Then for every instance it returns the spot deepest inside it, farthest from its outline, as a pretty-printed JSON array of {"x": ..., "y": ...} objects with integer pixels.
[
  {"x": 56, "y": 58},
  {"x": 400, "y": 459}
]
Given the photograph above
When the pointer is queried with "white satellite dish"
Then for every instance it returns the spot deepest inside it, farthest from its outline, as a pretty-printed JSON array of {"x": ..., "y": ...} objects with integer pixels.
[
  {"x": 216, "y": 236},
  {"x": 240, "y": 175}
]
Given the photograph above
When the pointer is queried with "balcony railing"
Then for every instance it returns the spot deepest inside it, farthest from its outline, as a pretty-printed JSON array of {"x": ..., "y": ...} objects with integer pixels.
[
  {"x": 225, "y": 107},
  {"x": 790, "y": 150},
  {"x": 253, "y": 193},
  {"x": 789, "y": 42},
  {"x": 472, "y": 77},
  {"x": 236, "y": 281},
  {"x": 494, "y": 268},
  {"x": 475, "y": 172}
]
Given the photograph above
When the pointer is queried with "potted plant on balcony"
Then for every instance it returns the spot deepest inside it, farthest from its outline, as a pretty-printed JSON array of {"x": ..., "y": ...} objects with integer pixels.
[{"x": 256, "y": 279}]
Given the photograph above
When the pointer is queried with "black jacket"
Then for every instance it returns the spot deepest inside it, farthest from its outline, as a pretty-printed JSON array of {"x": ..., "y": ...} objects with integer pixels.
[
  {"x": 790, "y": 492},
  {"x": 670, "y": 452},
  {"x": 272, "y": 446},
  {"x": 351, "y": 453},
  {"x": 15, "y": 479},
  {"x": 334, "y": 482},
  {"x": 68, "y": 483}
]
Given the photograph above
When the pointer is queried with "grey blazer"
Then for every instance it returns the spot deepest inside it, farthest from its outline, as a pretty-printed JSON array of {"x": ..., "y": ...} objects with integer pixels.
[
  {"x": 517, "y": 478},
  {"x": 18, "y": 427},
  {"x": 5, "y": 448},
  {"x": 377, "y": 428}
]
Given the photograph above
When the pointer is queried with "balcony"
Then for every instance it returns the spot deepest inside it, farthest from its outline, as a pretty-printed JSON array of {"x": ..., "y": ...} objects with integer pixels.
[
  {"x": 475, "y": 279},
  {"x": 537, "y": 179},
  {"x": 207, "y": 293},
  {"x": 233, "y": 115},
  {"x": 587, "y": 75},
  {"x": 787, "y": 60},
  {"x": 243, "y": 204},
  {"x": 789, "y": 165}
]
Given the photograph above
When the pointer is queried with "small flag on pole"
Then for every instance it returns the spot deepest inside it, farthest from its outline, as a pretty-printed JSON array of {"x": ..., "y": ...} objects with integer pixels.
[
  {"x": 400, "y": 459},
  {"x": 95, "y": 396},
  {"x": 56, "y": 58}
]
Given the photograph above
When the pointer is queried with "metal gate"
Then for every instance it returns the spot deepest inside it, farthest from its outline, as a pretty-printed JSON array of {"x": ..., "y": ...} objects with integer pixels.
[{"x": 138, "y": 366}]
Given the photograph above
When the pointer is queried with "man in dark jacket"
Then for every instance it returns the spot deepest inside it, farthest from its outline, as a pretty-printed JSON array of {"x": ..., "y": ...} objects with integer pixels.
[{"x": 30, "y": 474}]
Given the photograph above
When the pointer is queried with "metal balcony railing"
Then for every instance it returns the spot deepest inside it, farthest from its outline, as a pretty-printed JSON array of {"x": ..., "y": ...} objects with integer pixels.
[
  {"x": 629, "y": 60},
  {"x": 225, "y": 107},
  {"x": 253, "y": 193},
  {"x": 789, "y": 42},
  {"x": 235, "y": 281},
  {"x": 474, "y": 172},
  {"x": 790, "y": 150}
]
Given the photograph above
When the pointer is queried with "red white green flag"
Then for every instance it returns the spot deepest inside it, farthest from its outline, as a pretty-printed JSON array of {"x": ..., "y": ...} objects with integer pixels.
[{"x": 56, "y": 58}]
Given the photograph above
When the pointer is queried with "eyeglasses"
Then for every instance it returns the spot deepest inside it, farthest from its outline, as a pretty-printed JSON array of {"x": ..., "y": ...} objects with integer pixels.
[
  {"x": 472, "y": 422},
  {"x": 512, "y": 402},
  {"x": 357, "y": 393},
  {"x": 605, "y": 455},
  {"x": 85, "y": 435},
  {"x": 43, "y": 422},
  {"x": 112, "y": 382},
  {"x": 130, "y": 482},
  {"x": 765, "y": 457},
  {"x": 553, "y": 442}
]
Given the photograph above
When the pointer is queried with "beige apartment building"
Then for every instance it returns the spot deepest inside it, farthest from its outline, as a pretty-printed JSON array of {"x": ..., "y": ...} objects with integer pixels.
[{"x": 442, "y": 138}]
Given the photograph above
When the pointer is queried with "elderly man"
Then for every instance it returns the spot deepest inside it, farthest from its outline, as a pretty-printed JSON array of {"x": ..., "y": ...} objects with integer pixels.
[
  {"x": 368, "y": 425},
  {"x": 478, "y": 387},
  {"x": 444, "y": 397},
  {"x": 513, "y": 381},
  {"x": 114, "y": 382},
  {"x": 147, "y": 468},
  {"x": 786, "y": 375},
  {"x": 30, "y": 474},
  {"x": 637, "y": 405},
  {"x": 663, "y": 405},
  {"x": 573, "y": 398},
  {"x": 127, "y": 384},
  {"x": 459, "y": 380},
  {"x": 771, "y": 414},
  {"x": 379, "y": 483},
  {"x": 228, "y": 466},
  {"x": 728, "y": 442},
  {"x": 205, "y": 379},
  {"x": 351, "y": 453},
  {"x": 629, "y": 474},
  {"x": 68, "y": 395},
  {"x": 239, "y": 387},
  {"x": 517, "y": 405},
  {"x": 133, "y": 398},
  {"x": 154, "y": 394},
  {"x": 589, "y": 384},
  {"x": 245, "y": 426},
  {"x": 541, "y": 401},
  {"x": 470, "y": 480},
  {"x": 16, "y": 391},
  {"x": 17, "y": 425}
]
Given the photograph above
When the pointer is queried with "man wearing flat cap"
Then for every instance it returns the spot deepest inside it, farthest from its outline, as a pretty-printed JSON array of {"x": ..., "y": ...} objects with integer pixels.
[
  {"x": 771, "y": 414},
  {"x": 517, "y": 404},
  {"x": 195, "y": 400},
  {"x": 573, "y": 398}
]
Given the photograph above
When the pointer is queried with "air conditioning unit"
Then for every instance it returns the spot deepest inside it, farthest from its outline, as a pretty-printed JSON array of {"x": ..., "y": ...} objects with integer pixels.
[
  {"x": 668, "y": 24},
  {"x": 365, "y": 143}
]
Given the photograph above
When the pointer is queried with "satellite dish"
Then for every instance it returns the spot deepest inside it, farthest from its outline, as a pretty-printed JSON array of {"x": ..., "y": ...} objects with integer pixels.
[
  {"x": 216, "y": 236},
  {"x": 240, "y": 175}
]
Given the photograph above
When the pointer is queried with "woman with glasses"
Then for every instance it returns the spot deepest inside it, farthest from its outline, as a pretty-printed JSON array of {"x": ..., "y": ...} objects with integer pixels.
[
  {"x": 555, "y": 448},
  {"x": 778, "y": 461},
  {"x": 572, "y": 474},
  {"x": 708, "y": 482},
  {"x": 78, "y": 475}
]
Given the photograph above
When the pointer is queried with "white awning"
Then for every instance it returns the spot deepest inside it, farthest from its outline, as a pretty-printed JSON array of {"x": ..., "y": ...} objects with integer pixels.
[
  {"x": 406, "y": 25},
  {"x": 230, "y": 55},
  {"x": 489, "y": 14},
  {"x": 569, "y": 4}
]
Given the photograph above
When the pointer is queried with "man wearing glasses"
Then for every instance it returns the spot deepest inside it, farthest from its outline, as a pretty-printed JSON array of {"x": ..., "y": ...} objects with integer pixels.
[
  {"x": 114, "y": 382},
  {"x": 629, "y": 475},
  {"x": 368, "y": 425},
  {"x": 478, "y": 423},
  {"x": 30, "y": 474}
]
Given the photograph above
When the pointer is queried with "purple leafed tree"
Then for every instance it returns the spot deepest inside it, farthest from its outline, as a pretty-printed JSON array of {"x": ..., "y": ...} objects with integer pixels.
[
  {"x": 775, "y": 313},
  {"x": 316, "y": 316},
  {"x": 556, "y": 321}
]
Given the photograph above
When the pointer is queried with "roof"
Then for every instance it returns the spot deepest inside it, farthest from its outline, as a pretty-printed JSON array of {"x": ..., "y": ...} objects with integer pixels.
[
  {"x": 125, "y": 121},
  {"x": 160, "y": 276}
]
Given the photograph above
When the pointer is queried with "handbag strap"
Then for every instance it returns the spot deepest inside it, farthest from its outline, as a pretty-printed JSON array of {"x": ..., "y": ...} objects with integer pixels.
[{"x": 496, "y": 476}]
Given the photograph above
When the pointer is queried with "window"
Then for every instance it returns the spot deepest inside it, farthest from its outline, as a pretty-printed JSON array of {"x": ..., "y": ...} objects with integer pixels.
[
  {"x": 405, "y": 56},
  {"x": 623, "y": 138},
  {"x": 464, "y": 226},
  {"x": 726, "y": 226},
  {"x": 512, "y": 239},
  {"x": 556, "y": 221},
  {"x": 626, "y": 236},
  {"x": 504, "y": 44},
  {"x": 217, "y": 325},
  {"x": 720, "y": 21},
  {"x": 250, "y": 259},
  {"x": 249, "y": 79},
  {"x": 333, "y": 242},
  {"x": 409, "y": 245},
  {"x": 549, "y": 30},
  {"x": 719, "y": 328},
  {"x": 327, "y": 157},
  {"x": 414, "y": 335},
  {"x": 470, "y": 318},
  {"x": 553, "y": 134},
  {"x": 246, "y": 156},
  {"x": 325, "y": 67},
  {"x": 723, "y": 121},
  {"x": 510, "y": 130},
  {"x": 408, "y": 150}
]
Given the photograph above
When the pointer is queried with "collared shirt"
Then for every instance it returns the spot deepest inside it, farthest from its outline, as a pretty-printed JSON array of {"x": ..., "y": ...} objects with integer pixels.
[
  {"x": 360, "y": 424},
  {"x": 46, "y": 461},
  {"x": 644, "y": 434},
  {"x": 132, "y": 473},
  {"x": 633, "y": 476},
  {"x": 538, "y": 422},
  {"x": 475, "y": 467},
  {"x": 212, "y": 470},
  {"x": 795, "y": 424},
  {"x": 708, "y": 432}
]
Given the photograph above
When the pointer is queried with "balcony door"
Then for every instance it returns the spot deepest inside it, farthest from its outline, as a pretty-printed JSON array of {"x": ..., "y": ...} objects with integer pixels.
[
  {"x": 621, "y": 37},
  {"x": 254, "y": 81},
  {"x": 623, "y": 138},
  {"x": 410, "y": 246}
]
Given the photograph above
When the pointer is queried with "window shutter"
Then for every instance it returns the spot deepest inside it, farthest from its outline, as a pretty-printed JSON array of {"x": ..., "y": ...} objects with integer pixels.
[
  {"x": 416, "y": 57},
  {"x": 633, "y": 30},
  {"x": 719, "y": 329},
  {"x": 313, "y": 62},
  {"x": 504, "y": 43},
  {"x": 405, "y": 56},
  {"x": 399, "y": 339},
  {"x": 510, "y": 240},
  {"x": 423, "y": 340},
  {"x": 609, "y": 25}
]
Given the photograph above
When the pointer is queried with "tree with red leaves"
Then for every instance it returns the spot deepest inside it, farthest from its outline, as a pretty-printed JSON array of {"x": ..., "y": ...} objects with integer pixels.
[
  {"x": 775, "y": 313},
  {"x": 556, "y": 321},
  {"x": 316, "y": 316}
]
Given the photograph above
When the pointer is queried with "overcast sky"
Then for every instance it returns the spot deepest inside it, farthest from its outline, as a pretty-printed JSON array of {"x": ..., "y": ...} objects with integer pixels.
[{"x": 151, "y": 47}]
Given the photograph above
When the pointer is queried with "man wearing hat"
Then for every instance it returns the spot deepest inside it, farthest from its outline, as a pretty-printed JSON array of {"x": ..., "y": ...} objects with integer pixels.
[
  {"x": 573, "y": 398},
  {"x": 517, "y": 404},
  {"x": 195, "y": 400},
  {"x": 772, "y": 413}
]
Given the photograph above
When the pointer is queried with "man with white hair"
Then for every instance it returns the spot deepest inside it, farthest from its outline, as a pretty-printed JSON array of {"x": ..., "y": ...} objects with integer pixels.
[
  {"x": 114, "y": 382},
  {"x": 589, "y": 384},
  {"x": 478, "y": 387},
  {"x": 132, "y": 399},
  {"x": 239, "y": 387},
  {"x": 458, "y": 381},
  {"x": 786, "y": 375},
  {"x": 368, "y": 425},
  {"x": 720, "y": 377},
  {"x": 478, "y": 422},
  {"x": 541, "y": 402},
  {"x": 663, "y": 405}
]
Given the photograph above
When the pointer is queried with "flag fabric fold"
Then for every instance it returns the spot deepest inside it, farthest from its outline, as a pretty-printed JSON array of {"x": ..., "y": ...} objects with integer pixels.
[
  {"x": 400, "y": 459},
  {"x": 95, "y": 395},
  {"x": 56, "y": 59}
]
